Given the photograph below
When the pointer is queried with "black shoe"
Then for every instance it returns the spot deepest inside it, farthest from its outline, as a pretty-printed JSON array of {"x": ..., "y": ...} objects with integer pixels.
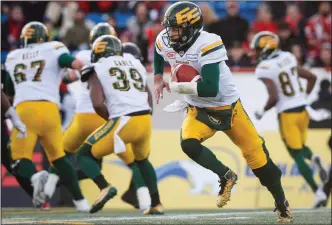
[
  {"x": 283, "y": 212},
  {"x": 130, "y": 198},
  {"x": 227, "y": 182}
]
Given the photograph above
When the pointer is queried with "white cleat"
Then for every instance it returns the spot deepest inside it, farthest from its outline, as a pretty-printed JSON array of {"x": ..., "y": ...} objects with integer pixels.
[
  {"x": 144, "y": 199},
  {"x": 38, "y": 181},
  {"x": 82, "y": 205},
  {"x": 317, "y": 161},
  {"x": 50, "y": 185},
  {"x": 320, "y": 198}
]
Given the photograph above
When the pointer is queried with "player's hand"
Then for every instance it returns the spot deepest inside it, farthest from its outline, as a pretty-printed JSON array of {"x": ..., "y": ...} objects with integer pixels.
[
  {"x": 259, "y": 114},
  {"x": 159, "y": 85},
  {"x": 174, "y": 71},
  {"x": 20, "y": 126}
]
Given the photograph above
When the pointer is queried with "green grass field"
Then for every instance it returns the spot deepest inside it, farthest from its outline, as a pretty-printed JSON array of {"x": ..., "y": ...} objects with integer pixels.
[{"x": 70, "y": 216}]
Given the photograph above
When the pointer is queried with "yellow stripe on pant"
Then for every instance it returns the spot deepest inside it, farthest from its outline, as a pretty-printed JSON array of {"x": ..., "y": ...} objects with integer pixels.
[
  {"x": 243, "y": 133},
  {"x": 42, "y": 119}
]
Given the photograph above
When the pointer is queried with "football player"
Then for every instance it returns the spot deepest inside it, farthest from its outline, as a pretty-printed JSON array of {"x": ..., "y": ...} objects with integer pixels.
[
  {"x": 35, "y": 72},
  {"x": 118, "y": 92},
  {"x": 280, "y": 73},
  {"x": 213, "y": 103},
  {"x": 86, "y": 120}
]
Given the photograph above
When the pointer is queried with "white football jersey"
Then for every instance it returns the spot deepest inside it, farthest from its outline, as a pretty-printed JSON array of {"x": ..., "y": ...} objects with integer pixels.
[
  {"x": 35, "y": 72},
  {"x": 83, "y": 101},
  {"x": 282, "y": 70},
  {"x": 124, "y": 80},
  {"x": 207, "y": 49}
]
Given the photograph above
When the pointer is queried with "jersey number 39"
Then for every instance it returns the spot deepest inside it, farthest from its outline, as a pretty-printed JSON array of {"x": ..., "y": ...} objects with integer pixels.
[{"x": 123, "y": 83}]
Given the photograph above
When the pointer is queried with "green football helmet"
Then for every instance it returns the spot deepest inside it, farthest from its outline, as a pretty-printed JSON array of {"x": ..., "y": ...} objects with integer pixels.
[
  {"x": 264, "y": 45},
  {"x": 105, "y": 46},
  {"x": 34, "y": 32},
  {"x": 185, "y": 16},
  {"x": 101, "y": 29}
]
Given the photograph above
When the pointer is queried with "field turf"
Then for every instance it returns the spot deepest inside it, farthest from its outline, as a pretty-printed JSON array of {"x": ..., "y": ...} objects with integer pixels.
[{"x": 107, "y": 216}]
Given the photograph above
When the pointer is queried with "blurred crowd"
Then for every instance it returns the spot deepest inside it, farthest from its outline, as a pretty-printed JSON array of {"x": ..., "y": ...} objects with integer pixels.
[{"x": 304, "y": 27}]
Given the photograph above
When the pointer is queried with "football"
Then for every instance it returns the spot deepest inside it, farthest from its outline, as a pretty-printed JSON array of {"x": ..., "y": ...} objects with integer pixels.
[{"x": 186, "y": 73}]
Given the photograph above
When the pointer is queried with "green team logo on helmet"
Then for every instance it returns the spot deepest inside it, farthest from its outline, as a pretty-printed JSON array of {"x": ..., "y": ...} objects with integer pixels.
[
  {"x": 187, "y": 17},
  {"x": 105, "y": 46},
  {"x": 101, "y": 29},
  {"x": 34, "y": 32}
]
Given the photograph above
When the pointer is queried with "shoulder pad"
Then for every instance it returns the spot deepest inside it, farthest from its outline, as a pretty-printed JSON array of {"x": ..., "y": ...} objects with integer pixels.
[
  {"x": 86, "y": 72},
  {"x": 56, "y": 44}
]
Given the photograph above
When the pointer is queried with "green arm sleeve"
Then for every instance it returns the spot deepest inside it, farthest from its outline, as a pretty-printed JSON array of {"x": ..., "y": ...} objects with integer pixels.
[
  {"x": 9, "y": 86},
  {"x": 65, "y": 60},
  {"x": 158, "y": 62},
  {"x": 209, "y": 86}
]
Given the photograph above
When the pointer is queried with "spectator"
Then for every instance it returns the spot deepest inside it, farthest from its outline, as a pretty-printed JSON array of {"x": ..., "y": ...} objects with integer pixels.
[
  {"x": 209, "y": 16},
  {"x": 287, "y": 37},
  {"x": 16, "y": 22},
  {"x": 318, "y": 29},
  {"x": 238, "y": 56},
  {"x": 4, "y": 28},
  {"x": 152, "y": 34},
  {"x": 324, "y": 59},
  {"x": 232, "y": 27},
  {"x": 34, "y": 10},
  {"x": 264, "y": 20},
  {"x": 61, "y": 14},
  {"x": 323, "y": 102},
  {"x": 245, "y": 44},
  {"x": 78, "y": 35},
  {"x": 298, "y": 52},
  {"x": 137, "y": 26},
  {"x": 112, "y": 21},
  {"x": 295, "y": 21},
  {"x": 52, "y": 31}
]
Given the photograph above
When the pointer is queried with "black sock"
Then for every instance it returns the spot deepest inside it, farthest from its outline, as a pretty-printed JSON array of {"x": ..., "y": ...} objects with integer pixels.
[{"x": 100, "y": 181}]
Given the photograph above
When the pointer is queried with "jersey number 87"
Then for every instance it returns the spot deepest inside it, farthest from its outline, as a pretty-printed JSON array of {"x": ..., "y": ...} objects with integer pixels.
[
  {"x": 286, "y": 85},
  {"x": 123, "y": 83}
]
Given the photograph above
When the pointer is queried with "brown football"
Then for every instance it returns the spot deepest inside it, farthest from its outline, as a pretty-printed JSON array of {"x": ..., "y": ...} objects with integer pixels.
[{"x": 186, "y": 73}]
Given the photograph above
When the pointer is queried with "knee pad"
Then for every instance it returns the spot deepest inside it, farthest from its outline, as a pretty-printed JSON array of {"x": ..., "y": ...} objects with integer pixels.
[
  {"x": 268, "y": 174},
  {"x": 192, "y": 147}
]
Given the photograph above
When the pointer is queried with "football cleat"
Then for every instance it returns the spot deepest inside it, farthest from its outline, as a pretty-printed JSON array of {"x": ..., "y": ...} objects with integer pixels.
[
  {"x": 320, "y": 199},
  {"x": 38, "y": 181},
  {"x": 105, "y": 195},
  {"x": 316, "y": 159},
  {"x": 46, "y": 206},
  {"x": 82, "y": 205},
  {"x": 157, "y": 210},
  {"x": 227, "y": 182},
  {"x": 283, "y": 212}
]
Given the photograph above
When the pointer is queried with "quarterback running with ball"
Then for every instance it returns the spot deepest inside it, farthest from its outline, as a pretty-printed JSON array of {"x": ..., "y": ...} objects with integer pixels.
[{"x": 213, "y": 103}]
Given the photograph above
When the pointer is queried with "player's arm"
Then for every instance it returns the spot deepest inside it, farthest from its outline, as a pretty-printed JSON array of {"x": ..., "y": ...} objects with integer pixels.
[
  {"x": 272, "y": 100},
  {"x": 68, "y": 61},
  {"x": 9, "y": 89},
  {"x": 150, "y": 98},
  {"x": 310, "y": 77},
  {"x": 159, "y": 64},
  {"x": 9, "y": 112},
  {"x": 207, "y": 87},
  {"x": 96, "y": 91}
]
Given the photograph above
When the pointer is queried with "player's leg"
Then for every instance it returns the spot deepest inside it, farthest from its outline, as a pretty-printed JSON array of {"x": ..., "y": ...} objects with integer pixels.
[
  {"x": 99, "y": 144},
  {"x": 140, "y": 141},
  {"x": 244, "y": 135},
  {"x": 81, "y": 127},
  {"x": 22, "y": 151},
  {"x": 193, "y": 132},
  {"x": 6, "y": 160},
  {"x": 51, "y": 138},
  {"x": 303, "y": 125},
  {"x": 291, "y": 135}
]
